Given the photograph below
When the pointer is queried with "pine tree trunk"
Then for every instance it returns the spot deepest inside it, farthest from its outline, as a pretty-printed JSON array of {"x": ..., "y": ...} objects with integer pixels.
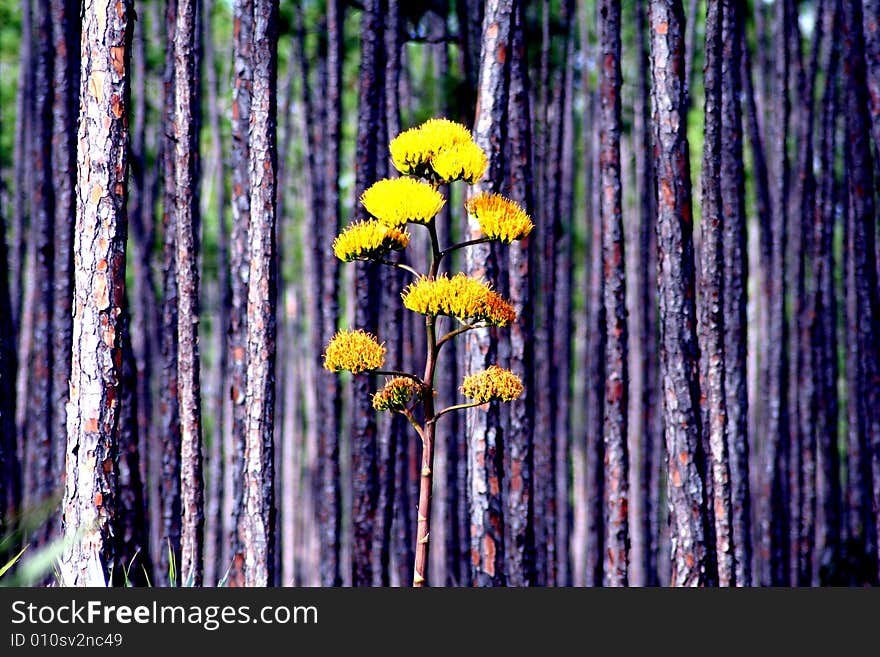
[
  {"x": 518, "y": 444},
  {"x": 822, "y": 310},
  {"x": 734, "y": 290},
  {"x": 40, "y": 425},
  {"x": 711, "y": 325},
  {"x": 99, "y": 280},
  {"x": 865, "y": 305},
  {"x": 371, "y": 111},
  {"x": 483, "y": 427},
  {"x": 691, "y": 553}
]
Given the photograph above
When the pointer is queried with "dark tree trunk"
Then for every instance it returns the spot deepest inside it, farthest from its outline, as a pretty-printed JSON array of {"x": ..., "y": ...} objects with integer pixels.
[
  {"x": 711, "y": 325},
  {"x": 616, "y": 374},
  {"x": 10, "y": 473},
  {"x": 822, "y": 311},
  {"x": 39, "y": 427},
  {"x": 775, "y": 516},
  {"x": 864, "y": 306},
  {"x": 65, "y": 37},
  {"x": 679, "y": 355},
  {"x": 644, "y": 500},
  {"x": 169, "y": 408},
  {"x": 364, "y": 450},
  {"x": 99, "y": 283},
  {"x": 130, "y": 522},
  {"x": 734, "y": 290},
  {"x": 871, "y": 25},
  {"x": 518, "y": 444}
]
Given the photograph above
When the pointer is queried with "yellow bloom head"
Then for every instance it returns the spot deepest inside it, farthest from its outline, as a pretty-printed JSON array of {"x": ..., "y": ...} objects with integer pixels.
[
  {"x": 460, "y": 296},
  {"x": 395, "y": 201},
  {"x": 500, "y": 218},
  {"x": 464, "y": 161},
  {"x": 412, "y": 150},
  {"x": 493, "y": 384},
  {"x": 396, "y": 394},
  {"x": 368, "y": 239},
  {"x": 355, "y": 351}
]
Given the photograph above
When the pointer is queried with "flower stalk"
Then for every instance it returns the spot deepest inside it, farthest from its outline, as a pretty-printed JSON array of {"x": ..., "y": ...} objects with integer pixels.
[{"x": 437, "y": 152}]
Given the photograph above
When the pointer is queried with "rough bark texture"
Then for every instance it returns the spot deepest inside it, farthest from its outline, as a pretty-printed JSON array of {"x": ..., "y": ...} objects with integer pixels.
[
  {"x": 243, "y": 80},
  {"x": 483, "y": 427},
  {"x": 871, "y": 26},
  {"x": 99, "y": 280},
  {"x": 259, "y": 475},
  {"x": 711, "y": 328},
  {"x": 371, "y": 111},
  {"x": 186, "y": 224},
  {"x": 865, "y": 306},
  {"x": 616, "y": 372},
  {"x": 518, "y": 444},
  {"x": 10, "y": 474},
  {"x": 691, "y": 555},
  {"x": 734, "y": 290}
]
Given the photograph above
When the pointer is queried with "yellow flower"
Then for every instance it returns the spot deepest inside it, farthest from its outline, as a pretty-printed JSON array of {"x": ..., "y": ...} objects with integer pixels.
[
  {"x": 395, "y": 201},
  {"x": 412, "y": 150},
  {"x": 500, "y": 218},
  {"x": 493, "y": 384},
  {"x": 465, "y": 161},
  {"x": 396, "y": 394},
  {"x": 368, "y": 239},
  {"x": 355, "y": 351},
  {"x": 460, "y": 296}
]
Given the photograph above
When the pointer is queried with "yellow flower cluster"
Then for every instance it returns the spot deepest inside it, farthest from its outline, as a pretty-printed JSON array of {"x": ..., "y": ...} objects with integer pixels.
[
  {"x": 465, "y": 161},
  {"x": 368, "y": 239},
  {"x": 439, "y": 148},
  {"x": 395, "y": 201},
  {"x": 355, "y": 351},
  {"x": 499, "y": 217},
  {"x": 396, "y": 394},
  {"x": 495, "y": 383},
  {"x": 459, "y": 296}
]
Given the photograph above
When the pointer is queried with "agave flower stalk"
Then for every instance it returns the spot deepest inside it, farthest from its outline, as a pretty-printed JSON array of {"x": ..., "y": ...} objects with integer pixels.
[{"x": 434, "y": 153}]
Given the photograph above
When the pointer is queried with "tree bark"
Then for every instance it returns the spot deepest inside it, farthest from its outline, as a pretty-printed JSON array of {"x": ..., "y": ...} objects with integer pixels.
[
  {"x": 617, "y": 375},
  {"x": 711, "y": 325},
  {"x": 99, "y": 283},
  {"x": 734, "y": 290},
  {"x": 259, "y": 499},
  {"x": 483, "y": 427},
  {"x": 679, "y": 355}
]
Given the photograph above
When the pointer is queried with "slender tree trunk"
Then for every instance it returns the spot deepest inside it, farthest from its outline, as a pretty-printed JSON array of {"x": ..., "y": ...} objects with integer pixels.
[
  {"x": 734, "y": 288},
  {"x": 617, "y": 376},
  {"x": 99, "y": 283},
  {"x": 169, "y": 408},
  {"x": 644, "y": 500},
  {"x": 871, "y": 25},
  {"x": 364, "y": 457},
  {"x": 40, "y": 425},
  {"x": 65, "y": 36},
  {"x": 822, "y": 312},
  {"x": 483, "y": 427},
  {"x": 10, "y": 473},
  {"x": 679, "y": 355},
  {"x": 518, "y": 444},
  {"x": 775, "y": 517},
  {"x": 865, "y": 307},
  {"x": 259, "y": 482},
  {"x": 711, "y": 329},
  {"x": 243, "y": 80}
]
